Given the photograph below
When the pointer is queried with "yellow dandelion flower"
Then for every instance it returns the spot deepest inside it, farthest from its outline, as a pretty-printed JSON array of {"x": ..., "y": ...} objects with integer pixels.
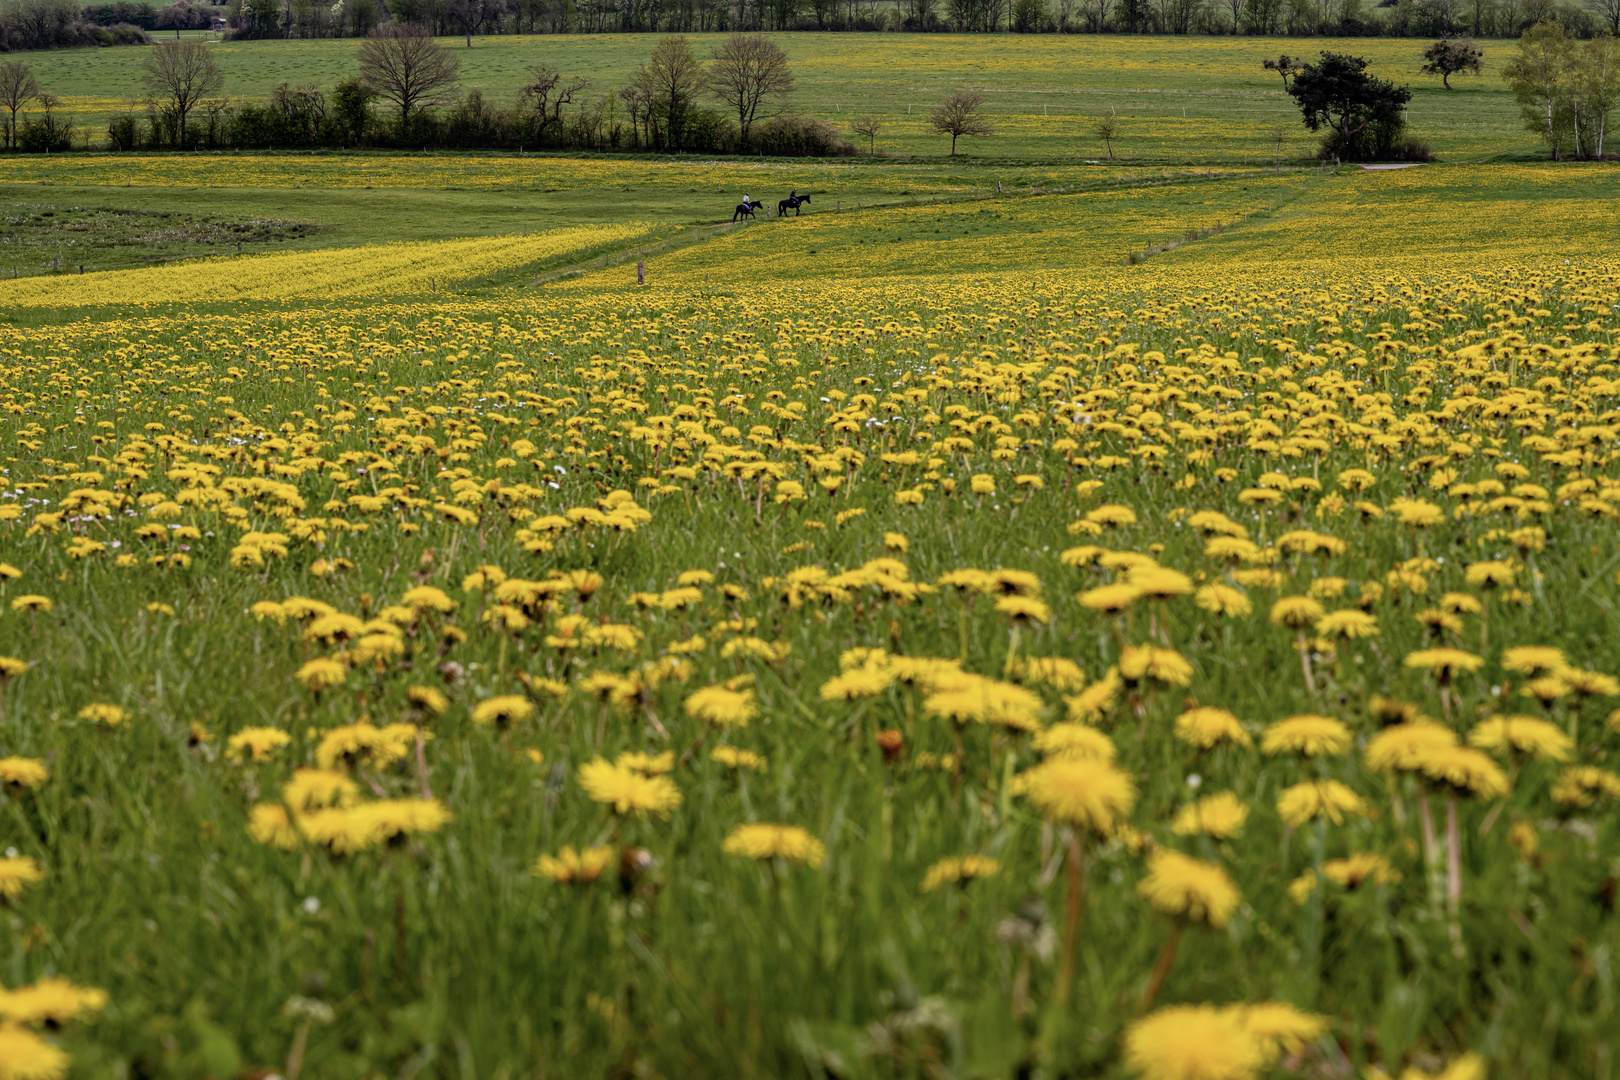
[
  {"x": 722, "y": 705},
  {"x": 1024, "y": 609},
  {"x": 1206, "y": 727},
  {"x": 52, "y": 1001},
  {"x": 1112, "y": 515},
  {"x": 1079, "y": 792},
  {"x": 628, "y": 791},
  {"x": 762, "y": 841},
  {"x": 1348, "y": 624},
  {"x": 1581, "y": 787},
  {"x": 1188, "y": 888},
  {"x": 256, "y": 743},
  {"x": 1220, "y": 816},
  {"x": 23, "y": 774},
  {"x": 427, "y": 598},
  {"x": 1075, "y": 740},
  {"x": 1279, "y": 1027},
  {"x": 1096, "y": 700},
  {"x": 1109, "y": 599},
  {"x": 1193, "y": 1042},
  {"x": 394, "y": 819},
  {"x": 857, "y": 683},
  {"x": 1223, "y": 600},
  {"x": 26, "y": 1056},
  {"x": 570, "y": 867},
  {"x": 503, "y": 710},
  {"x": 1296, "y": 612},
  {"x": 1309, "y": 735},
  {"x": 1444, "y": 662},
  {"x": 313, "y": 789},
  {"x": 429, "y": 699},
  {"x": 111, "y": 715},
  {"x": 1534, "y": 660},
  {"x": 959, "y": 870},
  {"x": 17, "y": 872},
  {"x": 1314, "y": 799},
  {"x": 734, "y": 758},
  {"x": 341, "y": 830},
  {"x": 1164, "y": 666},
  {"x": 321, "y": 674},
  {"x": 1467, "y": 771},
  {"x": 1360, "y": 867},
  {"x": 1401, "y": 747},
  {"x": 270, "y": 825},
  {"x": 1539, "y": 739}
]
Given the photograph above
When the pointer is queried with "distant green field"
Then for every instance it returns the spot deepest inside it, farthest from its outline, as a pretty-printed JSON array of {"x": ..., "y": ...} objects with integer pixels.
[
  {"x": 1180, "y": 100},
  {"x": 107, "y": 212}
]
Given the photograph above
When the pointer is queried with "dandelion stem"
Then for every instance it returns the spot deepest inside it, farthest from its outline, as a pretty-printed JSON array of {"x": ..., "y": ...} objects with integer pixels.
[
  {"x": 1305, "y": 660},
  {"x": 1071, "y": 915},
  {"x": 1167, "y": 958},
  {"x": 421, "y": 764},
  {"x": 399, "y": 923},
  {"x": 1453, "y": 858},
  {"x": 1453, "y": 874},
  {"x": 295, "y": 1056}
]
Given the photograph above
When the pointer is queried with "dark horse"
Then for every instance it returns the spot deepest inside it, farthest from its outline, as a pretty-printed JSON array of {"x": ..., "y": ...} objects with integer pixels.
[
  {"x": 744, "y": 210},
  {"x": 792, "y": 202}
]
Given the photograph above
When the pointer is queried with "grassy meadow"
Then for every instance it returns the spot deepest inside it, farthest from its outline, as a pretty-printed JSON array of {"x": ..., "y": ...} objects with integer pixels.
[
  {"x": 1194, "y": 100},
  {"x": 1150, "y": 621}
]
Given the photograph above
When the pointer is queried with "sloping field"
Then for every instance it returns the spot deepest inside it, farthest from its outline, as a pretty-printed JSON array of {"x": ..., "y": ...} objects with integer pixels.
[{"x": 381, "y": 270}]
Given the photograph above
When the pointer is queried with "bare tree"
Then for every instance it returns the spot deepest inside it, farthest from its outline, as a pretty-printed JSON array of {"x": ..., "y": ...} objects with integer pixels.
[
  {"x": 1107, "y": 129},
  {"x": 17, "y": 88},
  {"x": 750, "y": 73},
  {"x": 1607, "y": 11},
  {"x": 867, "y": 127},
  {"x": 637, "y": 98},
  {"x": 675, "y": 77},
  {"x": 1448, "y": 56},
  {"x": 473, "y": 14},
  {"x": 1286, "y": 66},
  {"x": 183, "y": 73},
  {"x": 546, "y": 96},
  {"x": 959, "y": 115},
  {"x": 408, "y": 67}
]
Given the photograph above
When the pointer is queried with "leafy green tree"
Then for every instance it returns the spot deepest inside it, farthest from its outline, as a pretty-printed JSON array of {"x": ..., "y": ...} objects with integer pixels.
[
  {"x": 1362, "y": 112},
  {"x": 351, "y": 108},
  {"x": 1566, "y": 89},
  {"x": 1449, "y": 56}
]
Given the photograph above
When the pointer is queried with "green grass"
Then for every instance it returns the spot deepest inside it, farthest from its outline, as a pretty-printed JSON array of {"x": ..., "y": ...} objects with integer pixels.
[
  {"x": 503, "y": 194},
  {"x": 709, "y": 964},
  {"x": 1195, "y": 99},
  {"x": 976, "y": 318}
]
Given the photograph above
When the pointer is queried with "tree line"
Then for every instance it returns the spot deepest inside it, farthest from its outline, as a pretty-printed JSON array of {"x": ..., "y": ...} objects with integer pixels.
[
  {"x": 406, "y": 93},
  {"x": 1349, "y": 18},
  {"x": 60, "y": 24}
]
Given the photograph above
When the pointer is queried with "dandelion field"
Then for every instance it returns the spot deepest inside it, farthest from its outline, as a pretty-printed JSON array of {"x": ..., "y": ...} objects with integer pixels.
[
  {"x": 1203, "y": 100},
  {"x": 863, "y": 651}
]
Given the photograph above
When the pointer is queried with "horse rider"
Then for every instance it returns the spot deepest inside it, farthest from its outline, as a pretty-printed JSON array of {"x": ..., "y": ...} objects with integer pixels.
[{"x": 747, "y": 204}]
